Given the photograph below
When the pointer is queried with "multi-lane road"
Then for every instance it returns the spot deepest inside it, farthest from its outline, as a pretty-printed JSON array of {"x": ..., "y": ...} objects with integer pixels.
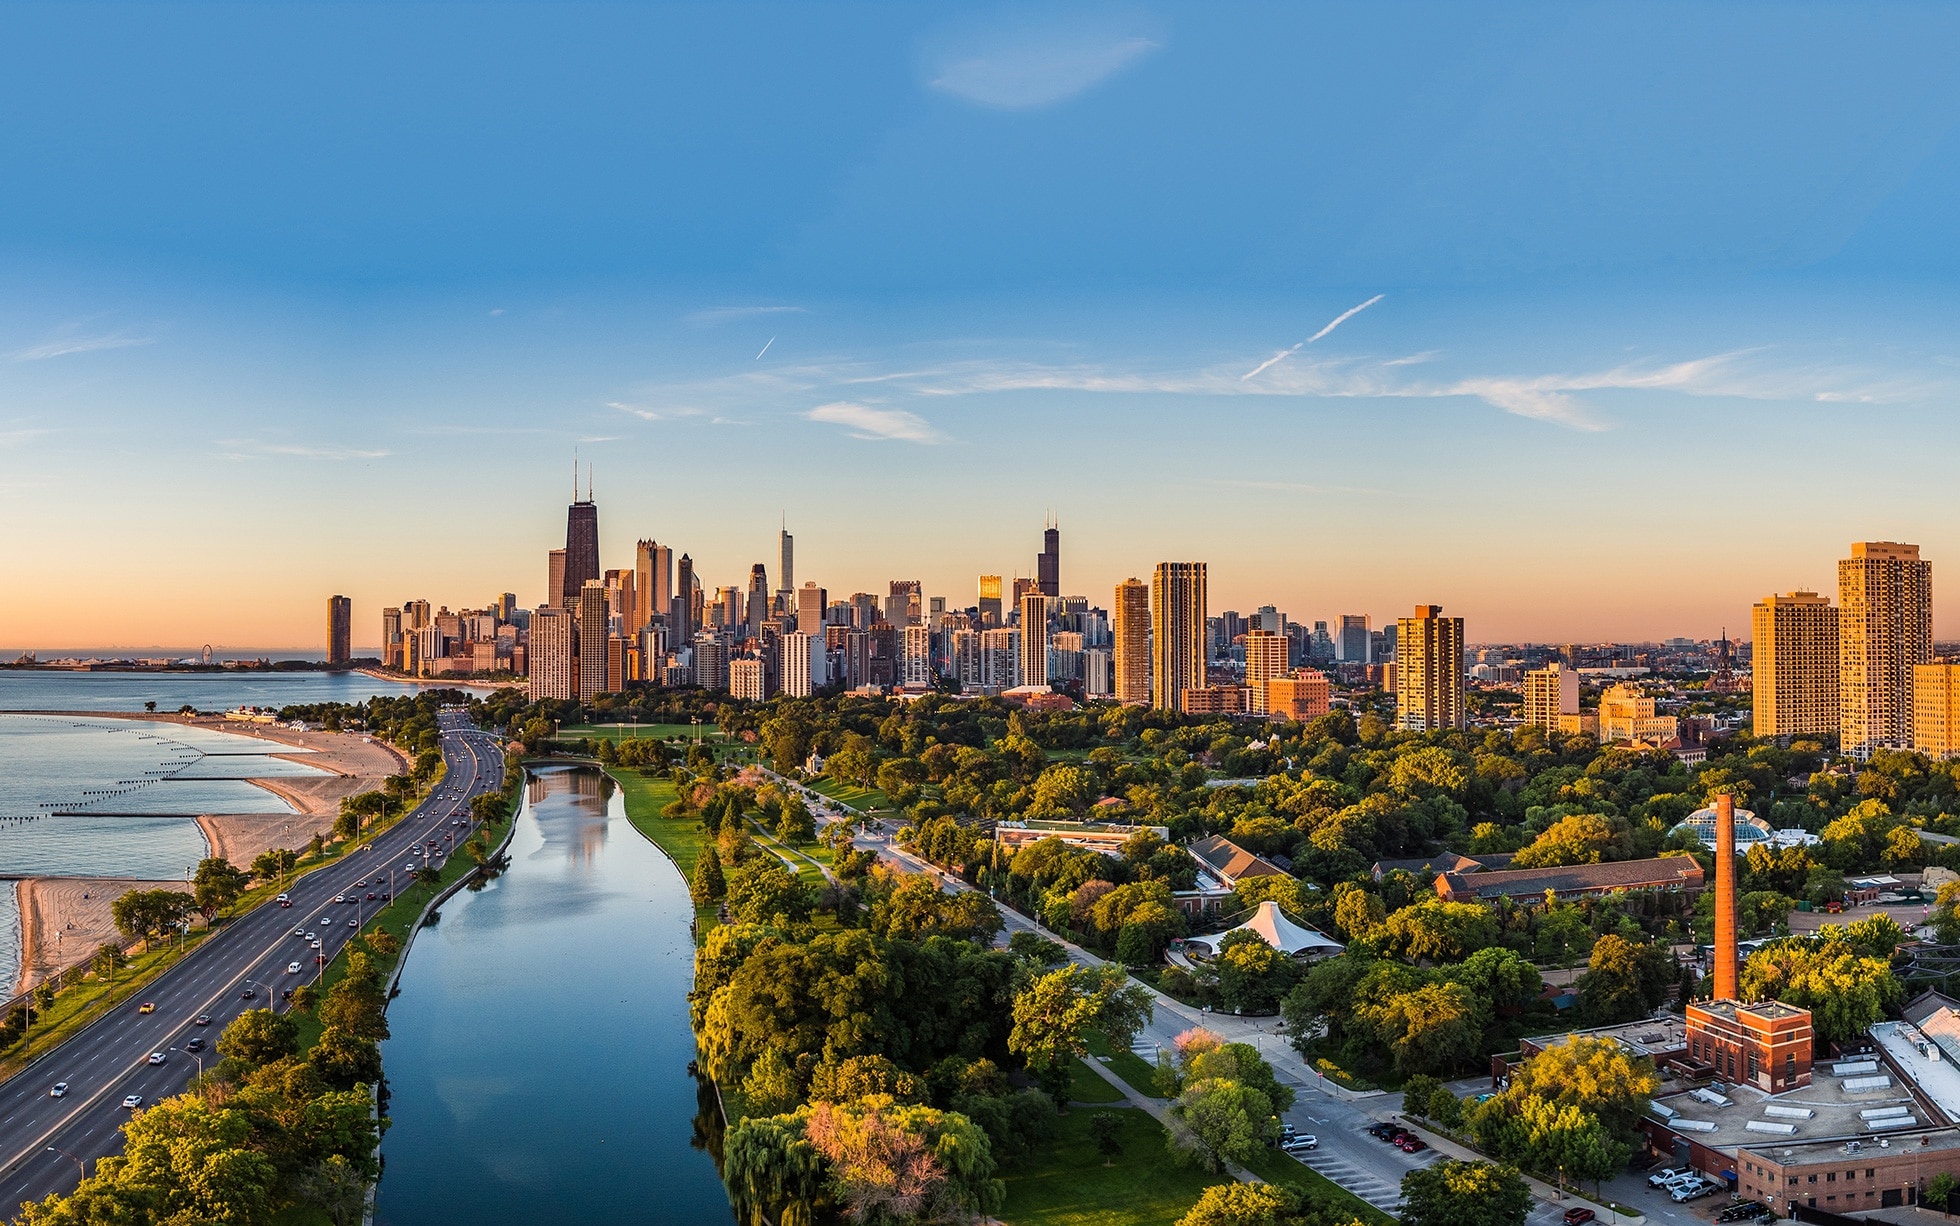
[{"x": 45, "y": 1140}]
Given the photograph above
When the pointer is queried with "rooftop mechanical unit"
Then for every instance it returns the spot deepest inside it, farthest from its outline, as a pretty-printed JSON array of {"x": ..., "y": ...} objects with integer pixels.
[
  {"x": 1781, "y": 1130},
  {"x": 1854, "y": 1085},
  {"x": 1789, "y": 1113}
]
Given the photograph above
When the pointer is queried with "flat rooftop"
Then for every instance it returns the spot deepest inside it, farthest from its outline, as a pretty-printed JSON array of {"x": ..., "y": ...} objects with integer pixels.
[
  {"x": 1649, "y": 1036},
  {"x": 1762, "y": 1008},
  {"x": 1835, "y": 1106},
  {"x": 1917, "y": 1052}
]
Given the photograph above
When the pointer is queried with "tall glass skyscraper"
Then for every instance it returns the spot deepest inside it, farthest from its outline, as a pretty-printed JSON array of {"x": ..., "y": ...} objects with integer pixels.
[{"x": 581, "y": 547}]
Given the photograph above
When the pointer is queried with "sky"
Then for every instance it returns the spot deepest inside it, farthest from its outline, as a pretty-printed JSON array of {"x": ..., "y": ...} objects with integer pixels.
[{"x": 1584, "y": 321}]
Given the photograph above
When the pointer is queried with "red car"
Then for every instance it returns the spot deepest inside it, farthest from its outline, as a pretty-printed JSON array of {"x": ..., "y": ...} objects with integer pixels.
[
  {"x": 1573, "y": 1217},
  {"x": 1411, "y": 1145}
]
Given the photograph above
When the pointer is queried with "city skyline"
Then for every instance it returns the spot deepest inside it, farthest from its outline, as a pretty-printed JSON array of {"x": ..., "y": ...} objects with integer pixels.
[{"x": 1151, "y": 270}]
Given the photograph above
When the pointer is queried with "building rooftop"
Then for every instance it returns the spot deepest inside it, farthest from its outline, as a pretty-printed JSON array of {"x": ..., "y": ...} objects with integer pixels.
[
  {"x": 1919, "y": 1056},
  {"x": 1761, "y": 1008},
  {"x": 1720, "y": 1117},
  {"x": 1230, "y": 862},
  {"x": 1620, "y": 874},
  {"x": 1650, "y": 1036}
]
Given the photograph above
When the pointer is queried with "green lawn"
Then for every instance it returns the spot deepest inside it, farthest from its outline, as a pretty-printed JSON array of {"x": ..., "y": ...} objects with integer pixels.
[
  {"x": 1137, "y": 1072},
  {"x": 1066, "y": 1183},
  {"x": 620, "y": 732},
  {"x": 852, "y": 795},
  {"x": 1086, "y": 1087}
]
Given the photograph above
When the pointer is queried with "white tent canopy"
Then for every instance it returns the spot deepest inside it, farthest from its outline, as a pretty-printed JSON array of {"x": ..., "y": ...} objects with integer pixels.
[{"x": 1281, "y": 933}]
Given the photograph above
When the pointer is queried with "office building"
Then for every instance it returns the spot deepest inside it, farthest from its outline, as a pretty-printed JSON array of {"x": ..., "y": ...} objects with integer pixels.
[
  {"x": 1885, "y": 629},
  {"x": 989, "y": 601},
  {"x": 810, "y": 602},
  {"x": 1627, "y": 714},
  {"x": 758, "y": 603},
  {"x": 1428, "y": 670},
  {"x": 554, "y": 581},
  {"x": 340, "y": 630},
  {"x": 1550, "y": 694},
  {"x": 1048, "y": 565},
  {"x": 391, "y": 638},
  {"x": 581, "y": 546},
  {"x": 593, "y": 631},
  {"x": 1794, "y": 664},
  {"x": 1265, "y": 659},
  {"x": 551, "y": 655},
  {"x": 1936, "y": 710},
  {"x": 1034, "y": 638},
  {"x": 747, "y": 679},
  {"x": 1098, "y": 673},
  {"x": 903, "y": 606},
  {"x": 1354, "y": 640},
  {"x": 1305, "y": 695},
  {"x": 786, "y": 561},
  {"x": 1177, "y": 633},
  {"x": 1130, "y": 624},
  {"x": 654, "y": 563},
  {"x": 685, "y": 617}
]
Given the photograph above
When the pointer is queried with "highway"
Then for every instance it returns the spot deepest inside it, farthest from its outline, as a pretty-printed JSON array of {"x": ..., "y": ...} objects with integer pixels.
[{"x": 44, "y": 1140}]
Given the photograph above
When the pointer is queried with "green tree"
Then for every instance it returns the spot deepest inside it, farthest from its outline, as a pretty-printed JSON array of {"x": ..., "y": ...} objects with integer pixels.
[
  {"x": 762, "y": 890},
  {"x": 1106, "y": 1130},
  {"x": 1452, "y": 1193},
  {"x": 1252, "y": 975},
  {"x": 1579, "y": 838},
  {"x": 1846, "y": 991},
  {"x": 1624, "y": 980},
  {"x": 1416, "y": 1093},
  {"x": 1054, "y": 1014},
  {"x": 346, "y": 1060},
  {"x": 1242, "y": 1204},
  {"x": 1438, "y": 930},
  {"x": 258, "y": 1037},
  {"x": 1939, "y": 1191},
  {"x": 1214, "y": 1121},
  {"x": 1433, "y": 1029},
  {"x": 217, "y": 885},
  {"x": 708, "y": 885}
]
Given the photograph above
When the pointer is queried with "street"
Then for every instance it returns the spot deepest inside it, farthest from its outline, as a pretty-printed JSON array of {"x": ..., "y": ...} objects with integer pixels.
[{"x": 44, "y": 1141}]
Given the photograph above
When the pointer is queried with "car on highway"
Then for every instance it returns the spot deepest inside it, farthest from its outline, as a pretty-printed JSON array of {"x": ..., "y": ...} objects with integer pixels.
[
  {"x": 300, "y": 931},
  {"x": 194, "y": 1045},
  {"x": 202, "y": 1019},
  {"x": 285, "y": 900},
  {"x": 58, "y": 1090},
  {"x": 148, "y": 1006},
  {"x": 353, "y": 923},
  {"x": 360, "y": 885},
  {"x": 292, "y": 968},
  {"x": 1577, "y": 1216},
  {"x": 132, "y": 1102},
  {"x": 156, "y": 1057},
  {"x": 340, "y": 898},
  {"x": 370, "y": 895},
  {"x": 248, "y": 994}
]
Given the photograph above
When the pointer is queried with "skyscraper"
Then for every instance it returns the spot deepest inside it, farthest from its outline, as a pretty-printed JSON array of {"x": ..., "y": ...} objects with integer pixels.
[
  {"x": 1034, "y": 639},
  {"x": 685, "y": 618},
  {"x": 1177, "y": 633},
  {"x": 1550, "y": 693},
  {"x": 1429, "y": 670},
  {"x": 990, "y": 601},
  {"x": 1131, "y": 627},
  {"x": 654, "y": 563},
  {"x": 786, "y": 567},
  {"x": 800, "y": 671},
  {"x": 1885, "y": 627},
  {"x": 1265, "y": 660},
  {"x": 1048, "y": 565},
  {"x": 903, "y": 606},
  {"x": 810, "y": 603},
  {"x": 915, "y": 658},
  {"x": 554, "y": 578},
  {"x": 340, "y": 630},
  {"x": 758, "y": 597},
  {"x": 1936, "y": 710},
  {"x": 551, "y": 657},
  {"x": 1795, "y": 665},
  {"x": 592, "y": 636},
  {"x": 581, "y": 544},
  {"x": 391, "y": 637},
  {"x": 1353, "y": 640}
]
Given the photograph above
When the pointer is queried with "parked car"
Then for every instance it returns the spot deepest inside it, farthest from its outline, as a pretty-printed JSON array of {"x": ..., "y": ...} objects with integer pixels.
[
  {"x": 1739, "y": 1211},
  {"x": 1573, "y": 1217},
  {"x": 1664, "y": 1176},
  {"x": 1411, "y": 1145},
  {"x": 1301, "y": 1144},
  {"x": 1692, "y": 1191}
]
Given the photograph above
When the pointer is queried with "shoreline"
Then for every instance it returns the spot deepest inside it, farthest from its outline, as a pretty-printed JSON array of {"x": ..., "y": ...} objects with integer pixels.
[{"x": 71, "y": 907}]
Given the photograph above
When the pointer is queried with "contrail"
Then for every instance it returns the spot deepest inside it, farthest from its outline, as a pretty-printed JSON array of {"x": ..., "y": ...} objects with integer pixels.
[
  {"x": 772, "y": 340},
  {"x": 1284, "y": 354}
]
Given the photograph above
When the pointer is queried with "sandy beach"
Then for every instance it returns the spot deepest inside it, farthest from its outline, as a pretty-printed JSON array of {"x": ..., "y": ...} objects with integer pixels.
[
  {"x": 65, "y": 919},
  {"x": 52, "y": 907}
]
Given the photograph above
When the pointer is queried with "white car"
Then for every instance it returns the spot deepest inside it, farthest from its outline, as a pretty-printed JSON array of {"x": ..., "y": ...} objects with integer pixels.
[
  {"x": 58, "y": 1090},
  {"x": 1301, "y": 1143},
  {"x": 132, "y": 1102},
  {"x": 292, "y": 968},
  {"x": 1666, "y": 1175},
  {"x": 340, "y": 898},
  {"x": 353, "y": 923},
  {"x": 300, "y": 931},
  {"x": 314, "y": 943},
  {"x": 156, "y": 1057}
]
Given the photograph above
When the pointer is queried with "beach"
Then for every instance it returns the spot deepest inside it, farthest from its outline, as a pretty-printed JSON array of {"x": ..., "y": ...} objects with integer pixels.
[{"x": 59, "y": 927}]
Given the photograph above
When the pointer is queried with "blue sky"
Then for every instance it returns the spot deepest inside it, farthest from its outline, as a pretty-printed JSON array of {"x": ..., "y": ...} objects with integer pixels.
[{"x": 300, "y": 299}]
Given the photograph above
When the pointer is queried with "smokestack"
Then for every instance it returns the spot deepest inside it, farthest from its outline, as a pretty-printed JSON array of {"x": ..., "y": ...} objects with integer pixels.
[{"x": 1725, "y": 951}]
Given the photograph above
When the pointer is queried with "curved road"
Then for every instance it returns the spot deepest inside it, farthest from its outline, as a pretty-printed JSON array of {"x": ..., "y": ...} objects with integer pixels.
[{"x": 44, "y": 1140}]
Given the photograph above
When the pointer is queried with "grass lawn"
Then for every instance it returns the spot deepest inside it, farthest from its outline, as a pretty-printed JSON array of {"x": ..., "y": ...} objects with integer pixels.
[
  {"x": 682, "y": 838},
  {"x": 1275, "y": 1167},
  {"x": 1086, "y": 1087},
  {"x": 1132, "y": 1068},
  {"x": 620, "y": 732},
  {"x": 1066, "y": 1183},
  {"x": 862, "y": 799}
]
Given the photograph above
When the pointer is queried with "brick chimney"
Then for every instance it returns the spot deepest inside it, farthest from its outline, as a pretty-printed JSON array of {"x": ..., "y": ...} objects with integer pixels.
[{"x": 1726, "y": 971}]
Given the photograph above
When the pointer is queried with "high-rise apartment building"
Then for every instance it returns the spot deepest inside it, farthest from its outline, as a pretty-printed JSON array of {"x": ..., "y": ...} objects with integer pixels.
[
  {"x": 915, "y": 657},
  {"x": 800, "y": 669},
  {"x": 1936, "y": 710},
  {"x": 1301, "y": 697},
  {"x": 685, "y": 618},
  {"x": 554, "y": 577},
  {"x": 1177, "y": 633},
  {"x": 990, "y": 601},
  {"x": 1000, "y": 658},
  {"x": 552, "y": 654},
  {"x": 810, "y": 602},
  {"x": 1885, "y": 629},
  {"x": 1098, "y": 673},
  {"x": 1034, "y": 638},
  {"x": 1048, "y": 565},
  {"x": 1265, "y": 659},
  {"x": 903, "y": 607},
  {"x": 654, "y": 563},
  {"x": 340, "y": 630},
  {"x": 1353, "y": 641},
  {"x": 1794, "y": 662},
  {"x": 581, "y": 547},
  {"x": 747, "y": 679},
  {"x": 391, "y": 638},
  {"x": 1428, "y": 670},
  {"x": 709, "y": 661},
  {"x": 1130, "y": 625},
  {"x": 593, "y": 631},
  {"x": 1549, "y": 693}
]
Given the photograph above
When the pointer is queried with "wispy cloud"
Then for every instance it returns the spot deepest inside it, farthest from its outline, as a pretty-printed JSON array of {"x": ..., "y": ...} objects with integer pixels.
[
  {"x": 9, "y": 438},
  {"x": 670, "y": 413},
  {"x": 865, "y": 422},
  {"x": 251, "y": 448},
  {"x": 723, "y": 314},
  {"x": 1038, "y": 68},
  {"x": 1284, "y": 354},
  {"x": 67, "y": 346}
]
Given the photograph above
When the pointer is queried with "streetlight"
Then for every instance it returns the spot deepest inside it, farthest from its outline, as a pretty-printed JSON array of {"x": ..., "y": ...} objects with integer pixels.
[
  {"x": 195, "y": 1055},
  {"x": 79, "y": 1169}
]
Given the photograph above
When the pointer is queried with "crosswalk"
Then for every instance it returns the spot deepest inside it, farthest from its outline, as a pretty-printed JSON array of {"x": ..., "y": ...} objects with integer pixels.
[{"x": 1368, "y": 1186}]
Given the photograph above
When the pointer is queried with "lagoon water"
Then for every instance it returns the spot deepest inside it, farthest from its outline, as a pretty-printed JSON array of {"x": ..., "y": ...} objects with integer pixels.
[{"x": 538, "y": 1066}]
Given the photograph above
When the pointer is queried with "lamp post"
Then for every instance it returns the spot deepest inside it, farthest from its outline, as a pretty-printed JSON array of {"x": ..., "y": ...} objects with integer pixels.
[{"x": 79, "y": 1168}]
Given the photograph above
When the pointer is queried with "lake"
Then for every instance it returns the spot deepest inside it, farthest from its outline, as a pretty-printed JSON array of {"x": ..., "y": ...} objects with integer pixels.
[
  {"x": 38, "y": 690},
  {"x": 538, "y": 1069}
]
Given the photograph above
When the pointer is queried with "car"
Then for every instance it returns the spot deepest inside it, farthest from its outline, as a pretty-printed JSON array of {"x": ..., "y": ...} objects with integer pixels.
[
  {"x": 1300, "y": 1144},
  {"x": 353, "y": 923},
  {"x": 248, "y": 994},
  {"x": 1739, "y": 1210},
  {"x": 292, "y": 968},
  {"x": 148, "y": 1006},
  {"x": 360, "y": 885},
  {"x": 320, "y": 958},
  {"x": 1664, "y": 1176},
  {"x": 312, "y": 936},
  {"x": 386, "y": 896},
  {"x": 194, "y": 1045},
  {"x": 300, "y": 931},
  {"x": 285, "y": 993},
  {"x": 340, "y": 898},
  {"x": 1412, "y": 1145},
  {"x": 58, "y": 1090},
  {"x": 202, "y": 1019},
  {"x": 1688, "y": 1192},
  {"x": 408, "y": 868},
  {"x": 1573, "y": 1217},
  {"x": 1380, "y": 1131},
  {"x": 326, "y": 919},
  {"x": 370, "y": 896},
  {"x": 132, "y": 1102},
  {"x": 156, "y": 1057}
]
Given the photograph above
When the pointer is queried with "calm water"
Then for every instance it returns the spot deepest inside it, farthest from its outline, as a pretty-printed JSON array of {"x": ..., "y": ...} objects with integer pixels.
[
  {"x": 55, "y": 691},
  {"x": 538, "y": 1069}
]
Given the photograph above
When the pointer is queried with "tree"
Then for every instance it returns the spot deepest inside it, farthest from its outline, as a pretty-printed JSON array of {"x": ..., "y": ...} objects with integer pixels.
[
  {"x": 1215, "y": 1121},
  {"x": 1595, "y": 1075},
  {"x": 795, "y": 825},
  {"x": 1452, "y": 1193},
  {"x": 1939, "y": 1191},
  {"x": 258, "y": 1037},
  {"x": 217, "y": 885},
  {"x": 1579, "y": 838},
  {"x": 904, "y": 1163},
  {"x": 708, "y": 886},
  {"x": 1417, "y": 1090},
  {"x": 345, "y": 1060},
  {"x": 1846, "y": 990},
  {"x": 1624, "y": 981},
  {"x": 1241, "y": 1204},
  {"x": 1358, "y": 914},
  {"x": 1054, "y": 1014},
  {"x": 1438, "y": 930},
  {"x": 1106, "y": 1130},
  {"x": 761, "y": 890},
  {"x": 355, "y": 1003},
  {"x": 1433, "y": 1029},
  {"x": 1252, "y": 975}
]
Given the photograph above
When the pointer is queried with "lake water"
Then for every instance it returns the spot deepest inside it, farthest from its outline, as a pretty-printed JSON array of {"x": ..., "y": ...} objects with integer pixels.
[
  {"x": 538, "y": 1066},
  {"x": 61, "y": 691}
]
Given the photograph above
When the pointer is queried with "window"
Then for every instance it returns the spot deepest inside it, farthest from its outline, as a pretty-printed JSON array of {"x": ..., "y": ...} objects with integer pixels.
[
  {"x": 1810, "y": 1179},
  {"x": 1870, "y": 1172},
  {"x": 1831, "y": 1177}
]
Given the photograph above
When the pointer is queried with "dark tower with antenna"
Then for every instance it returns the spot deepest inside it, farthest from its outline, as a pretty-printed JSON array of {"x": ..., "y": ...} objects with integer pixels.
[
  {"x": 1048, "y": 565},
  {"x": 581, "y": 541}
]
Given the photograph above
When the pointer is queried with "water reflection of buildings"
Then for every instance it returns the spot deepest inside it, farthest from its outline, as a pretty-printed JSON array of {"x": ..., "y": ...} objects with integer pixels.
[{"x": 592, "y": 789}]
